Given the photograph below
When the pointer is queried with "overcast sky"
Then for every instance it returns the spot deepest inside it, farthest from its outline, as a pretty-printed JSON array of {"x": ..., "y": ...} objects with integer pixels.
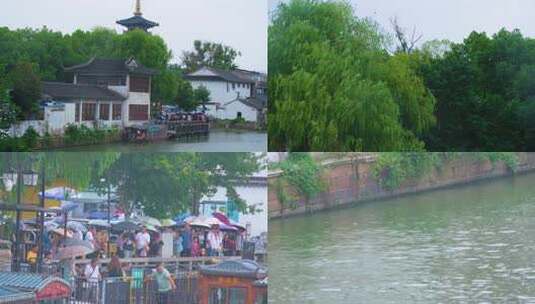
[
  {"x": 449, "y": 19},
  {"x": 241, "y": 24}
]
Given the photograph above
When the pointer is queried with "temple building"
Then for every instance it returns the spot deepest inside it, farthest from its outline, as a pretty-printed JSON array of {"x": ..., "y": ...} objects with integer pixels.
[
  {"x": 137, "y": 21},
  {"x": 103, "y": 93}
]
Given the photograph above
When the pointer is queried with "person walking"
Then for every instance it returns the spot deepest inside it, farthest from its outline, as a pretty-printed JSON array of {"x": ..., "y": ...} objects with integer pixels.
[
  {"x": 215, "y": 241},
  {"x": 165, "y": 284},
  {"x": 142, "y": 243},
  {"x": 115, "y": 269},
  {"x": 187, "y": 236},
  {"x": 92, "y": 276}
]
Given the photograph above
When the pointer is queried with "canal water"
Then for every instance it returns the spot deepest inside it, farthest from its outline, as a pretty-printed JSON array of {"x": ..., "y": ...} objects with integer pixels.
[
  {"x": 470, "y": 244},
  {"x": 217, "y": 141}
]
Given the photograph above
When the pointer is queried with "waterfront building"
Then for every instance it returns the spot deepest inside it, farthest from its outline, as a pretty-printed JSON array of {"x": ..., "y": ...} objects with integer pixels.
[
  {"x": 104, "y": 93},
  {"x": 233, "y": 94}
]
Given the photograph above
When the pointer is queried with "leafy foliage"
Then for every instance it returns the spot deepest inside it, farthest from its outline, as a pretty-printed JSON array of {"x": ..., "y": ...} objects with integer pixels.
[
  {"x": 392, "y": 169},
  {"x": 209, "y": 54},
  {"x": 26, "y": 88},
  {"x": 334, "y": 87},
  {"x": 485, "y": 91},
  {"x": 163, "y": 183},
  {"x": 303, "y": 174}
]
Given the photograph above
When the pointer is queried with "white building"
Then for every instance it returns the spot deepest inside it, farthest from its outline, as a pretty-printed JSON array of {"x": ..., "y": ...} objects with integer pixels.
[
  {"x": 103, "y": 93},
  {"x": 233, "y": 94}
]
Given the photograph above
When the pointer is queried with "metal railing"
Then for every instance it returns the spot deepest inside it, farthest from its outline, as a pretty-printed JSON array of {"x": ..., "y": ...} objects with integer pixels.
[{"x": 130, "y": 290}]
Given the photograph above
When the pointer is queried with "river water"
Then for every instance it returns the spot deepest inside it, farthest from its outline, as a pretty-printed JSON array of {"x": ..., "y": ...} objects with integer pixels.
[
  {"x": 470, "y": 244},
  {"x": 217, "y": 141}
]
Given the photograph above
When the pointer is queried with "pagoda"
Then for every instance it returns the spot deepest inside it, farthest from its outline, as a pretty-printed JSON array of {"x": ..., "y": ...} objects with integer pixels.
[{"x": 137, "y": 21}]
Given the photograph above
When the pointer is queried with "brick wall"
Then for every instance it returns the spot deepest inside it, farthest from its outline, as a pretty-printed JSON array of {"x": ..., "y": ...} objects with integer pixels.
[{"x": 349, "y": 182}]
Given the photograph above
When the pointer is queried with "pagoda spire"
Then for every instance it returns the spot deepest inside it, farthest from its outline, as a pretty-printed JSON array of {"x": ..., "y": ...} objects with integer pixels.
[{"x": 138, "y": 8}]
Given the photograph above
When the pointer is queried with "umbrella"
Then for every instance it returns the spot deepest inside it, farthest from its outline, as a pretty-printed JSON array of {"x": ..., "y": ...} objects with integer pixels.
[
  {"x": 182, "y": 217},
  {"x": 97, "y": 215},
  {"x": 168, "y": 223},
  {"x": 226, "y": 227},
  {"x": 77, "y": 226},
  {"x": 222, "y": 218},
  {"x": 237, "y": 225},
  {"x": 74, "y": 248},
  {"x": 197, "y": 221},
  {"x": 126, "y": 225},
  {"x": 59, "y": 193},
  {"x": 51, "y": 225},
  {"x": 61, "y": 231},
  {"x": 150, "y": 221},
  {"x": 100, "y": 223},
  {"x": 151, "y": 228},
  {"x": 213, "y": 221}
]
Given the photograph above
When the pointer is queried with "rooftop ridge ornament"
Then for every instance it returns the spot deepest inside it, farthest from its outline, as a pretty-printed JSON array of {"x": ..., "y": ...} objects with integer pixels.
[{"x": 138, "y": 8}]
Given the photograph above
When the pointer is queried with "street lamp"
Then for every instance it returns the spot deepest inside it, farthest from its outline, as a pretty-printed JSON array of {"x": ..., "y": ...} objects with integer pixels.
[
  {"x": 10, "y": 175},
  {"x": 30, "y": 178},
  {"x": 103, "y": 180}
]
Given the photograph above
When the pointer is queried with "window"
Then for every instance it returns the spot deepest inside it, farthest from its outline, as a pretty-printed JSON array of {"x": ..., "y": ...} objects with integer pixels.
[
  {"x": 117, "y": 111},
  {"x": 104, "y": 111},
  {"x": 139, "y": 84},
  {"x": 239, "y": 116},
  {"x": 227, "y": 296},
  {"x": 89, "y": 111},
  {"x": 138, "y": 112},
  {"x": 77, "y": 112},
  {"x": 227, "y": 87},
  {"x": 233, "y": 86}
]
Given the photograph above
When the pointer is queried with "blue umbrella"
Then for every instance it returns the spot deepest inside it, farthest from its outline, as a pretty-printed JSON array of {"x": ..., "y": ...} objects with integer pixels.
[
  {"x": 179, "y": 219},
  {"x": 97, "y": 215},
  {"x": 59, "y": 193}
]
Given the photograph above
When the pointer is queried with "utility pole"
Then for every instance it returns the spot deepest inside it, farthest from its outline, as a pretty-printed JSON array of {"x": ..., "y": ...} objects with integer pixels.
[
  {"x": 109, "y": 217},
  {"x": 17, "y": 251},
  {"x": 41, "y": 219}
]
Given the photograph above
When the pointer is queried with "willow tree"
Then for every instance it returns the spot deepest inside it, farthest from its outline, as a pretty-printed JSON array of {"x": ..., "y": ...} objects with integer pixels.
[
  {"x": 69, "y": 168},
  {"x": 334, "y": 87}
]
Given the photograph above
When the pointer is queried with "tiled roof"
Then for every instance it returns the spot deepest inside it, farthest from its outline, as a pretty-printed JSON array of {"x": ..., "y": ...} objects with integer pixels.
[
  {"x": 251, "y": 102},
  {"x": 240, "y": 268},
  {"x": 9, "y": 295},
  {"x": 231, "y": 76},
  {"x": 137, "y": 21},
  {"x": 70, "y": 92},
  {"x": 99, "y": 66},
  {"x": 25, "y": 281}
]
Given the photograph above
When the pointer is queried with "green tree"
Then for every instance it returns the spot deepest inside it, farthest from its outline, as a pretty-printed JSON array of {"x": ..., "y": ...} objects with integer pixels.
[
  {"x": 483, "y": 88},
  {"x": 185, "y": 98},
  {"x": 165, "y": 184},
  {"x": 26, "y": 88},
  {"x": 209, "y": 54},
  {"x": 201, "y": 95},
  {"x": 8, "y": 113},
  {"x": 333, "y": 85},
  {"x": 303, "y": 174}
]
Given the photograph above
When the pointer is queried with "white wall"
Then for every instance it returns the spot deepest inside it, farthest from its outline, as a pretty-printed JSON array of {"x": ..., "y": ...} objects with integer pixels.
[
  {"x": 56, "y": 120},
  {"x": 218, "y": 90},
  {"x": 231, "y": 111},
  {"x": 19, "y": 129},
  {"x": 134, "y": 98},
  {"x": 252, "y": 195}
]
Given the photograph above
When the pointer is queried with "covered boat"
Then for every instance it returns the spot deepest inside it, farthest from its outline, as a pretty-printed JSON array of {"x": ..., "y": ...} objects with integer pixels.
[{"x": 239, "y": 281}]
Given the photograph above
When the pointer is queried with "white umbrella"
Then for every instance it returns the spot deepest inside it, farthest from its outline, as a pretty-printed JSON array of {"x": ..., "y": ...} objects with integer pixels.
[
  {"x": 100, "y": 223},
  {"x": 150, "y": 221}
]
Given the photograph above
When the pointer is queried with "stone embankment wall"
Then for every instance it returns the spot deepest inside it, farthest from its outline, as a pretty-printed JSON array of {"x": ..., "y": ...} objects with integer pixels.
[{"x": 350, "y": 182}]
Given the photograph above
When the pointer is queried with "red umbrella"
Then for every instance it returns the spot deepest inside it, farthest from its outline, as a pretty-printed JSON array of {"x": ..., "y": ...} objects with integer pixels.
[{"x": 223, "y": 218}]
